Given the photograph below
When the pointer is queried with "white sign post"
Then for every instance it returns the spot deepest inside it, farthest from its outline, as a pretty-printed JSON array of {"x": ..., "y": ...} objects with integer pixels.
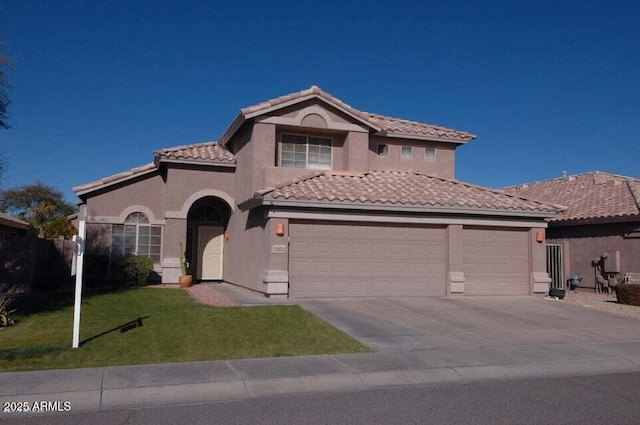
[{"x": 78, "y": 263}]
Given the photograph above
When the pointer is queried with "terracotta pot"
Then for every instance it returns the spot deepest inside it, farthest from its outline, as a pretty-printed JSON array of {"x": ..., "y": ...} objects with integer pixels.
[{"x": 185, "y": 280}]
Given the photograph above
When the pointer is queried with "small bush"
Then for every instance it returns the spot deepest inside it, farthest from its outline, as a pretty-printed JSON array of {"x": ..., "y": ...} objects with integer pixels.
[
  {"x": 628, "y": 294},
  {"x": 132, "y": 271}
]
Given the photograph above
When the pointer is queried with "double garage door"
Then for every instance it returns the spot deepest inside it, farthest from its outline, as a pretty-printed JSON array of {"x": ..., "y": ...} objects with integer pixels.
[{"x": 349, "y": 259}]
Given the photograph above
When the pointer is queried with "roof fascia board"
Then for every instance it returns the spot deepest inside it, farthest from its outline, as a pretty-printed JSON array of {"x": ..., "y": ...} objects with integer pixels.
[
  {"x": 197, "y": 162},
  {"x": 14, "y": 224},
  {"x": 390, "y": 218},
  {"x": 235, "y": 126},
  {"x": 589, "y": 221},
  {"x": 308, "y": 97},
  {"x": 428, "y": 209},
  {"x": 422, "y": 137},
  {"x": 114, "y": 182}
]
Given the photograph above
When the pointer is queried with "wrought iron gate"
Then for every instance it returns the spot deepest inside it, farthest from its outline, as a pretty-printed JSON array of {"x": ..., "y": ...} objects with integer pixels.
[{"x": 554, "y": 265}]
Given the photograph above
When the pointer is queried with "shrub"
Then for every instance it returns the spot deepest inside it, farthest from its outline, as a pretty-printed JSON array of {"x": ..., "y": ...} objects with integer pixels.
[
  {"x": 132, "y": 271},
  {"x": 5, "y": 313},
  {"x": 628, "y": 294}
]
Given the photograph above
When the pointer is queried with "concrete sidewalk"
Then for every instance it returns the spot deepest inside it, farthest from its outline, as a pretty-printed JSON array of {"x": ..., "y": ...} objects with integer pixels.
[
  {"x": 418, "y": 341},
  {"x": 184, "y": 383}
]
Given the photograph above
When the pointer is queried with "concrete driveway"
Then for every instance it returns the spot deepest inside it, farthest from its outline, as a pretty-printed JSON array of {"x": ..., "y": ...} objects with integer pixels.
[{"x": 512, "y": 323}]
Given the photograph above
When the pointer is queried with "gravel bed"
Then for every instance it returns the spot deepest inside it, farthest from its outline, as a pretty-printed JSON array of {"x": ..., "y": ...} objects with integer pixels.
[{"x": 603, "y": 302}]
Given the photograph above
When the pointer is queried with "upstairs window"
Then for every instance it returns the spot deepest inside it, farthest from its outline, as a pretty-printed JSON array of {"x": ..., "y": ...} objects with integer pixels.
[
  {"x": 406, "y": 152},
  {"x": 383, "y": 150},
  {"x": 430, "y": 154},
  {"x": 136, "y": 237},
  {"x": 301, "y": 151}
]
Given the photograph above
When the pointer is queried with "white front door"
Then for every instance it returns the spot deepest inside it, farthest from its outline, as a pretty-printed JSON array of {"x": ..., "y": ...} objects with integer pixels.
[{"x": 210, "y": 249}]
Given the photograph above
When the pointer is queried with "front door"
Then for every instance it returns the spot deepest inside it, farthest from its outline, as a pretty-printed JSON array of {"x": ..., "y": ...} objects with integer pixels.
[{"x": 210, "y": 249}]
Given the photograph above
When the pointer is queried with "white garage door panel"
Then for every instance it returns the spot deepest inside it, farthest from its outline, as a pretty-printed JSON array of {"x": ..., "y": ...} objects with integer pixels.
[
  {"x": 342, "y": 260},
  {"x": 496, "y": 262}
]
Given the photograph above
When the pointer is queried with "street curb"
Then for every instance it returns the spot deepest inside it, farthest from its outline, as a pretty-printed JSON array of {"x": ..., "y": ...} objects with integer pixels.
[{"x": 239, "y": 389}]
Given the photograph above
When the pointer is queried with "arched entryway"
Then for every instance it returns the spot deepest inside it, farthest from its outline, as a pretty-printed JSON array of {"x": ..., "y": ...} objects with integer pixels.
[{"x": 206, "y": 223}]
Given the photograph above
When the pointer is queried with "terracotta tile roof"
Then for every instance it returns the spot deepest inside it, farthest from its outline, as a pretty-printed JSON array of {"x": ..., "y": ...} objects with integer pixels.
[
  {"x": 594, "y": 195},
  {"x": 400, "y": 189},
  {"x": 393, "y": 126},
  {"x": 382, "y": 124},
  {"x": 206, "y": 151},
  {"x": 115, "y": 178},
  {"x": 11, "y": 221}
]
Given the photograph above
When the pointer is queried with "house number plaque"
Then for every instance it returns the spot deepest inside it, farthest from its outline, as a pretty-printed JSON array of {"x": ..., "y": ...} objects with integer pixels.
[{"x": 278, "y": 249}]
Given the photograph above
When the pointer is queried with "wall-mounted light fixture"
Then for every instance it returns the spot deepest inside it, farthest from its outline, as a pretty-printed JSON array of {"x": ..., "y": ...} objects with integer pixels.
[
  {"x": 280, "y": 229},
  {"x": 539, "y": 237},
  {"x": 226, "y": 234}
]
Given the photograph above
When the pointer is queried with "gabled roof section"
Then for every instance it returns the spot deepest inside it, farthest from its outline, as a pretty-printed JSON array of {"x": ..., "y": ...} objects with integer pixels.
[
  {"x": 115, "y": 179},
  {"x": 397, "y": 190},
  {"x": 206, "y": 152},
  {"x": 11, "y": 221},
  {"x": 380, "y": 124},
  {"x": 589, "y": 196}
]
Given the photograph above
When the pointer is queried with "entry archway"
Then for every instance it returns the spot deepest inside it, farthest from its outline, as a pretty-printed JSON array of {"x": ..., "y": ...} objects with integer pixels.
[{"x": 207, "y": 220}]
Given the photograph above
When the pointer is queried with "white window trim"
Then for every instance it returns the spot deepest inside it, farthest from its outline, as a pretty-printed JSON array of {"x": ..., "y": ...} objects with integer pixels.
[
  {"x": 306, "y": 136},
  {"x": 137, "y": 226},
  {"x": 406, "y": 157},
  {"x": 434, "y": 154},
  {"x": 378, "y": 150}
]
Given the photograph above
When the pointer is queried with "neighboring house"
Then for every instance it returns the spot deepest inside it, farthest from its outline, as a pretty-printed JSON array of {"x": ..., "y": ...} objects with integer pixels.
[
  {"x": 15, "y": 274},
  {"x": 305, "y": 196},
  {"x": 602, "y": 216}
]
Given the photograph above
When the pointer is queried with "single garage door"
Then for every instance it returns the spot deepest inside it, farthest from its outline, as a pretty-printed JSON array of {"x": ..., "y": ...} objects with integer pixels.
[
  {"x": 496, "y": 262},
  {"x": 349, "y": 260}
]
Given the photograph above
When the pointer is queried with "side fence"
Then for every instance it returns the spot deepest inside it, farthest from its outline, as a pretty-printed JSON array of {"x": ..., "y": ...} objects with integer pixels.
[{"x": 30, "y": 263}]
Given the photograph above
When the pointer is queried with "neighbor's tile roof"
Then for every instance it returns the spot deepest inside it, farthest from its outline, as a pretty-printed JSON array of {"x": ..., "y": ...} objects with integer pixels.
[
  {"x": 400, "y": 189},
  {"x": 12, "y": 221},
  {"x": 115, "y": 178},
  {"x": 594, "y": 195},
  {"x": 386, "y": 125},
  {"x": 206, "y": 151}
]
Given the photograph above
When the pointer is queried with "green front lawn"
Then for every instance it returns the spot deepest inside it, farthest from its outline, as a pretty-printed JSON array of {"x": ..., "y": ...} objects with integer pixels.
[{"x": 174, "y": 329}]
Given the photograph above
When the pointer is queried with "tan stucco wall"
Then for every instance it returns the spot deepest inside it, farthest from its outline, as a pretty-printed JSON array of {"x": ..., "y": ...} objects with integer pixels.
[
  {"x": 147, "y": 192},
  {"x": 443, "y": 165},
  {"x": 184, "y": 181},
  {"x": 589, "y": 242},
  {"x": 246, "y": 254}
]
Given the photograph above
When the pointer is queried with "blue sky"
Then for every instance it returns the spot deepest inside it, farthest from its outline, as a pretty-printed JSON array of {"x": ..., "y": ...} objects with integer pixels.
[{"x": 546, "y": 85}]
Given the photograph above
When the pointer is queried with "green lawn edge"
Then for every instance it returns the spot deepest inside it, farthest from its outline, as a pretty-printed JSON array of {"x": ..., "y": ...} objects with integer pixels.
[{"x": 159, "y": 325}]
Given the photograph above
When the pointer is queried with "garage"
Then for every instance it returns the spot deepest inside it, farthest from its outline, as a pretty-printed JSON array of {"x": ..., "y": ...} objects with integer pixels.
[
  {"x": 496, "y": 261},
  {"x": 333, "y": 259}
]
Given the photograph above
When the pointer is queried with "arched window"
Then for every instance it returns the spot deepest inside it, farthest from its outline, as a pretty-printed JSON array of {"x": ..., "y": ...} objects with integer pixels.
[{"x": 136, "y": 237}]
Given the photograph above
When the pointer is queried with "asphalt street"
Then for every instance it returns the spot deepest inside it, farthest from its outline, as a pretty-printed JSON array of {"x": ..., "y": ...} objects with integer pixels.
[{"x": 603, "y": 399}]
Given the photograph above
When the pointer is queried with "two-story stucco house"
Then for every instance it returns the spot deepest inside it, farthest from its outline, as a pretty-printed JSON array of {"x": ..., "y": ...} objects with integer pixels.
[{"x": 305, "y": 196}]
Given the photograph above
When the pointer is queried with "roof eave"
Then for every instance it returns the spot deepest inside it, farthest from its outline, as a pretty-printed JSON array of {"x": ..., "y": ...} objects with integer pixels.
[
  {"x": 254, "y": 202},
  {"x": 81, "y": 192},
  {"x": 425, "y": 137},
  {"x": 242, "y": 117},
  {"x": 213, "y": 163}
]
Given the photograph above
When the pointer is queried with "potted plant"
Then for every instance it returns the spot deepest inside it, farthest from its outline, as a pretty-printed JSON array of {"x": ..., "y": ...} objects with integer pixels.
[{"x": 186, "y": 280}]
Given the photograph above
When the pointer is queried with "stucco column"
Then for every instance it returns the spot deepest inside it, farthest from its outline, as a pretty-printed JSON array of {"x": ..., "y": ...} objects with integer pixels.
[
  {"x": 276, "y": 276},
  {"x": 540, "y": 280},
  {"x": 174, "y": 232},
  {"x": 455, "y": 266},
  {"x": 357, "y": 151}
]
